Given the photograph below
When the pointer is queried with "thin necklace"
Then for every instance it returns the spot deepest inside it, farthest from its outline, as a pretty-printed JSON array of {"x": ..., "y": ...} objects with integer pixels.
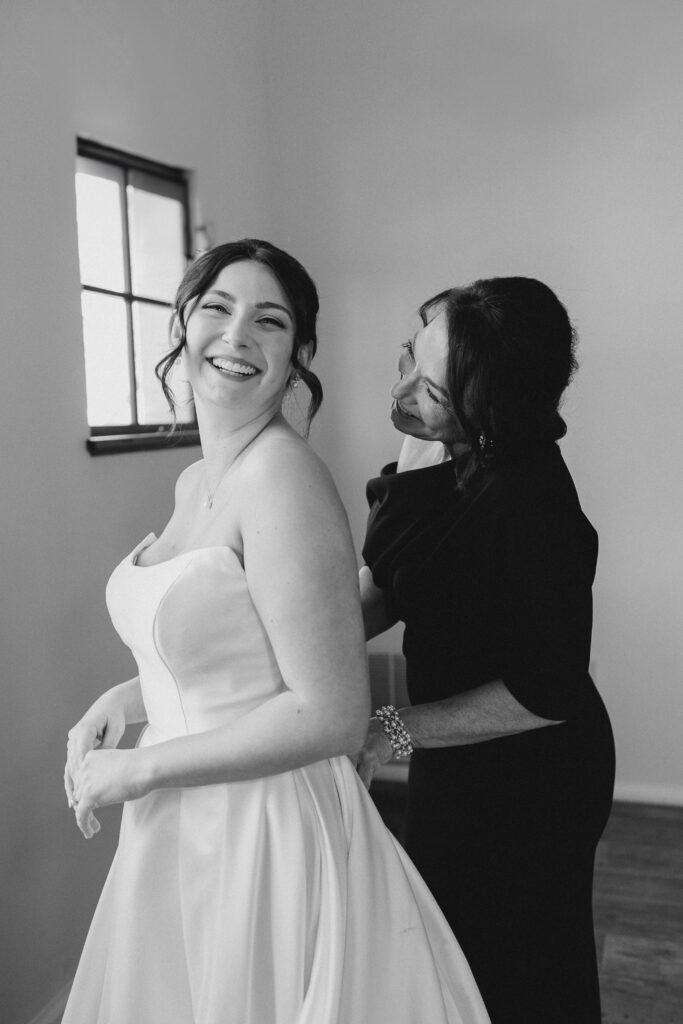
[{"x": 211, "y": 494}]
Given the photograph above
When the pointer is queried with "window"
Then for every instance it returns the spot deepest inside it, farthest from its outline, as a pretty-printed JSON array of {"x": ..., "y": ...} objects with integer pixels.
[{"x": 133, "y": 244}]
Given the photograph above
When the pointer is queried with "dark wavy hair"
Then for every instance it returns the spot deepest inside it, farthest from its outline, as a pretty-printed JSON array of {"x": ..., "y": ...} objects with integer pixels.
[
  {"x": 295, "y": 282},
  {"x": 511, "y": 354}
]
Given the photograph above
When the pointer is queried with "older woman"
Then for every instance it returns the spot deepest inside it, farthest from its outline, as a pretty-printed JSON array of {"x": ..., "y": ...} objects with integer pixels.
[
  {"x": 479, "y": 545},
  {"x": 253, "y": 876}
]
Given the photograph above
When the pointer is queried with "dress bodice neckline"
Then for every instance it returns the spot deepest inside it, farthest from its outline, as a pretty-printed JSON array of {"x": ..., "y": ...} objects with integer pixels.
[{"x": 151, "y": 537}]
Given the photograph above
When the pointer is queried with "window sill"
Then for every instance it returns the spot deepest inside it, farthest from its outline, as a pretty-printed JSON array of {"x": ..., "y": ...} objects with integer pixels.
[{"x": 115, "y": 444}]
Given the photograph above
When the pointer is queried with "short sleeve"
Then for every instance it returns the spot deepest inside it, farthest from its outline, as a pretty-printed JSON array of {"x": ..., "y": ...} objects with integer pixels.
[{"x": 547, "y": 558}]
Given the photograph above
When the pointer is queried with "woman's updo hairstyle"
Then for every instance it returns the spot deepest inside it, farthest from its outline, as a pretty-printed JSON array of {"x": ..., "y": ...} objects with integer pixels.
[
  {"x": 295, "y": 282},
  {"x": 510, "y": 357}
]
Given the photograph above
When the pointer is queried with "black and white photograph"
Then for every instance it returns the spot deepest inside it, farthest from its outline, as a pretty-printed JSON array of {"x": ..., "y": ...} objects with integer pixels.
[{"x": 341, "y": 487}]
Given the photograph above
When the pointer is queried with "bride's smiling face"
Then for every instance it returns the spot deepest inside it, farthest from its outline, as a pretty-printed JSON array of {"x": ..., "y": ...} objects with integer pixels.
[
  {"x": 421, "y": 403},
  {"x": 239, "y": 339}
]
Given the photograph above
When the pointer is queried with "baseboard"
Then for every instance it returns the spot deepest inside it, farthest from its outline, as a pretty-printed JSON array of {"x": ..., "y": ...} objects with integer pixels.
[
  {"x": 647, "y": 793},
  {"x": 52, "y": 1012}
]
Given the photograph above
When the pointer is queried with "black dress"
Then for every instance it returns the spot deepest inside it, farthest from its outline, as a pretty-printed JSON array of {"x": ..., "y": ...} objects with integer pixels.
[{"x": 497, "y": 585}]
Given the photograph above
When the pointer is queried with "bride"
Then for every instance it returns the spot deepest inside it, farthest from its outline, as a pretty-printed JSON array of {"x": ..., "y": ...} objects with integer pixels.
[{"x": 254, "y": 881}]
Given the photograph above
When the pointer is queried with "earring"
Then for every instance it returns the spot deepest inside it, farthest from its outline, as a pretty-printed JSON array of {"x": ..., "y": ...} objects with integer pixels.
[
  {"x": 484, "y": 444},
  {"x": 294, "y": 380}
]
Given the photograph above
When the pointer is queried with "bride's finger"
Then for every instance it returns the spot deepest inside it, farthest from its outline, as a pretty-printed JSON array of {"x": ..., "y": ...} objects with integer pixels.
[
  {"x": 71, "y": 772},
  {"x": 68, "y": 786},
  {"x": 80, "y": 749},
  {"x": 76, "y": 755},
  {"x": 93, "y": 824},
  {"x": 86, "y": 820}
]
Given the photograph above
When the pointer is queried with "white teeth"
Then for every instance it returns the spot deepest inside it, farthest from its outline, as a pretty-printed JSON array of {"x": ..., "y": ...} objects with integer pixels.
[
  {"x": 405, "y": 411},
  {"x": 226, "y": 364}
]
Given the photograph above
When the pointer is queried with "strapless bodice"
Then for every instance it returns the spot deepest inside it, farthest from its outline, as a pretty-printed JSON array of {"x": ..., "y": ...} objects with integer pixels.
[{"x": 203, "y": 654}]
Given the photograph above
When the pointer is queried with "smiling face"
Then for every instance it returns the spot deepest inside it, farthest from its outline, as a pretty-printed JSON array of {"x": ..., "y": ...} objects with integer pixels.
[
  {"x": 239, "y": 340},
  {"x": 421, "y": 404}
]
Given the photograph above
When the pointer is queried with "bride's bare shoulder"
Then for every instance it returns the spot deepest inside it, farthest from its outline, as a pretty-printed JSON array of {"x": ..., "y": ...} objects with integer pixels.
[
  {"x": 189, "y": 478},
  {"x": 283, "y": 464},
  {"x": 287, "y": 494}
]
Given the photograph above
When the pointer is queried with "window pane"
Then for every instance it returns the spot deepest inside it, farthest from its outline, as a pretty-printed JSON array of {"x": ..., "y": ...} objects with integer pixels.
[
  {"x": 156, "y": 226},
  {"x": 100, "y": 226},
  {"x": 107, "y": 374},
  {"x": 151, "y": 330}
]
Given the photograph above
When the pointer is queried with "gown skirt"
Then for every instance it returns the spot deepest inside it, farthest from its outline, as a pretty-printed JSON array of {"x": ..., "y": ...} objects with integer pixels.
[{"x": 280, "y": 900}]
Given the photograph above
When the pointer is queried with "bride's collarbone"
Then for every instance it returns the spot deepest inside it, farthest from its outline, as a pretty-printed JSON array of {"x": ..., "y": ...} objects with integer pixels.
[{"x": 194, "y": 525}]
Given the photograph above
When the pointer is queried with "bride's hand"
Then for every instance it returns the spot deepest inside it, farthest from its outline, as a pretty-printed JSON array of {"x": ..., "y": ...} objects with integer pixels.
[
  {"x": 376, "y": 751},
  {"x": 106, "y": 777},
  {"x": 102, "y": 726}
]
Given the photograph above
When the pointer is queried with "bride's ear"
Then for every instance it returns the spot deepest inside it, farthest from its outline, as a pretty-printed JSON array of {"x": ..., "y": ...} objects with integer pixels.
[
  {"x": 304, "y": 354},
  {"x": 176, "y": 331}
]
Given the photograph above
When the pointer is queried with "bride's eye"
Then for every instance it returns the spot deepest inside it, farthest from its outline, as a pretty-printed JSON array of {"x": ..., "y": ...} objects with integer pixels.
[
  {"x": 408, "y": 347},
  {"x": 272, "y": 321}
]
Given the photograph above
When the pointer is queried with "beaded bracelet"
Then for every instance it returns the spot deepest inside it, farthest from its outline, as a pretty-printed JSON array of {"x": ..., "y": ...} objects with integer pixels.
[{"x": 397, "y": 734}]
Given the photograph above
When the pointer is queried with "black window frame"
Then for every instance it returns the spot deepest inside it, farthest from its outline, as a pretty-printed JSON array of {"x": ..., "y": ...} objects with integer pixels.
[{"x": 135, "y": 436}]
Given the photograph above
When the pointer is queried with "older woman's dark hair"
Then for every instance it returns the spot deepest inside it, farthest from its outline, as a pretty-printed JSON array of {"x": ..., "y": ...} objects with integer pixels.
[
  {"x": 296, "y": 283},
  {"x": 510, "y": 357}
]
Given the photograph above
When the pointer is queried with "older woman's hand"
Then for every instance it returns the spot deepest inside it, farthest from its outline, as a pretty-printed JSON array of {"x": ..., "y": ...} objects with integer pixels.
[
  {"x": 106, "y": 777},
  {"x": 376, "y": 751}
]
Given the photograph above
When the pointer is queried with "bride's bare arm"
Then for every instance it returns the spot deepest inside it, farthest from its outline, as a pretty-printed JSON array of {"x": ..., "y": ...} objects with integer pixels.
[{"x": 302, "y": 577}]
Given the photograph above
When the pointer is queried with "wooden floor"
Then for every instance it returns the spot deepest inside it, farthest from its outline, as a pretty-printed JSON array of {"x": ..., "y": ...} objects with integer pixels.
[{"x": 638, "y": 908}]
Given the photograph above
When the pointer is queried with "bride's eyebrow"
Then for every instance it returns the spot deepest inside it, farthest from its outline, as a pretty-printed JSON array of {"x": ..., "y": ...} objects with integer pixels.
[{"x": 259, "y": 305}]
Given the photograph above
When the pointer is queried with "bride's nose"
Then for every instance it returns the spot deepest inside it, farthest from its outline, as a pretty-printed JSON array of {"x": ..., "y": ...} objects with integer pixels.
[
  {"x": 236, "y": 334},
  {"x": 402, "y": 387}
]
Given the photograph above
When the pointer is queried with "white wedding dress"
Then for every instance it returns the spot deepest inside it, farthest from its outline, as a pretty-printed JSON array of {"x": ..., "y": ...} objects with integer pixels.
[{"x": 282, "y": 900}]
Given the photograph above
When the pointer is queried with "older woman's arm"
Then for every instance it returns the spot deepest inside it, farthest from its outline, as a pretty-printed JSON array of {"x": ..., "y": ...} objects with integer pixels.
[
  {"x": 376, "y": 616},
  {"x": 487, "y": 712}
]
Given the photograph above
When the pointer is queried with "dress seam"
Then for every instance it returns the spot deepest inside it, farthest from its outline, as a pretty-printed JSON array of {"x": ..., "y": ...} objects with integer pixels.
[{"x": 157, "y": 645}]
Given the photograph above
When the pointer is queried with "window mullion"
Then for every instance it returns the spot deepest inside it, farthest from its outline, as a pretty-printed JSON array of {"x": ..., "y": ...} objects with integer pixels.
[
  {"x": 129, "y": 304},
  {"x": 128, "y": 296}
]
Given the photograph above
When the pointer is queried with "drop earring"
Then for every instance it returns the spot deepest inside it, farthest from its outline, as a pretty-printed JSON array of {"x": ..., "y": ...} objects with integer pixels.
[{"x": 485, "y": 445}]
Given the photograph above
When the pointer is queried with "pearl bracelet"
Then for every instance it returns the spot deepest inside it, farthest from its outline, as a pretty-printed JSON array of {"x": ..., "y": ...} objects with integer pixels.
[{"x": 396, "y": 732}]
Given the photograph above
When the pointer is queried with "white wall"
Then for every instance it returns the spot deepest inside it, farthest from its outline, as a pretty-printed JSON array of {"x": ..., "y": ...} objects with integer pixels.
[
  {"x": 422, "y": 145},
  {"x": 180, "y": 83}
]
